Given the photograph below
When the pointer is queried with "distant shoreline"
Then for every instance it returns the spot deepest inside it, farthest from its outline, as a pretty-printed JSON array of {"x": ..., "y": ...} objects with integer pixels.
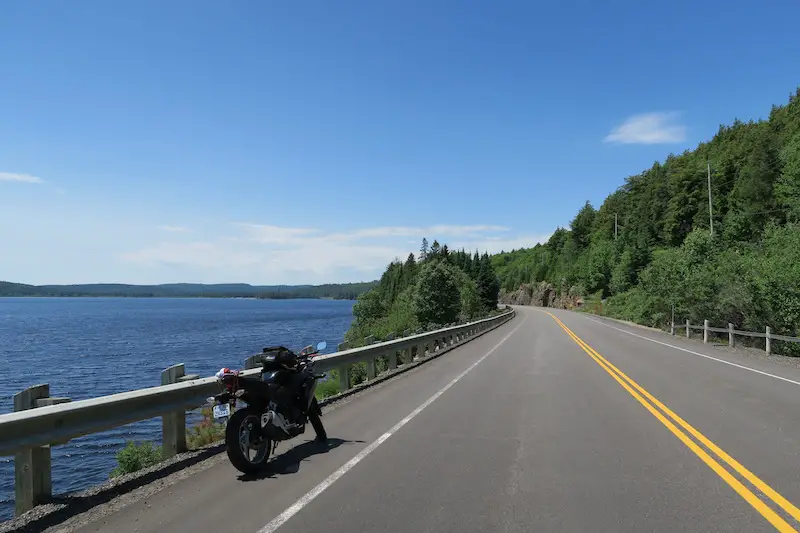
[
  {"x": 173, "y": 296},
  {"x": 330, "y": 291}
]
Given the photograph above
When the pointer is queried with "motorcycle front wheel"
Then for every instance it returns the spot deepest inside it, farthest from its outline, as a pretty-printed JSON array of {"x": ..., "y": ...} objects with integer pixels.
[{"x": 248, "y": 450}]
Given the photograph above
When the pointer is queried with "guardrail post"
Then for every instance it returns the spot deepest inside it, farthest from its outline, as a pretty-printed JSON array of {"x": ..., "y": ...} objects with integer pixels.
[
  {"x": 32, "y": 482},
  {"x": 705, "y": 331},
  {"x": 688, "y": 325},
  {"x": 371, "y": 373},
  {"x": 391, "y": 355},
  {"x": 731, "y": 340},
  {"x": 342, "y": 347},
  {"x": 769, "y": 341},
  {"x": 173, "y": 425},
  {"x": 344, "y": 378}
]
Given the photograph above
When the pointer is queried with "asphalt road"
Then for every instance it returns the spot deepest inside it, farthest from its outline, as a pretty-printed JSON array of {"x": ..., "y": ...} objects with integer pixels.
[{"x": 535, "y": 426}]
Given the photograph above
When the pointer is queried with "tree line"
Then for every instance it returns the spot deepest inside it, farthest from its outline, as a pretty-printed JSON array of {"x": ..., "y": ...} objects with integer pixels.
[
  {"x": 649, "y": 248},
  {"x": 436, "y": 288},
  {"x": 343, "y": 291}
]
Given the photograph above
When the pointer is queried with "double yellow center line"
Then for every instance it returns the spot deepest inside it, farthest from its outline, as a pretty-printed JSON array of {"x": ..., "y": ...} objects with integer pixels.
[{"x": 650, "y": 403}]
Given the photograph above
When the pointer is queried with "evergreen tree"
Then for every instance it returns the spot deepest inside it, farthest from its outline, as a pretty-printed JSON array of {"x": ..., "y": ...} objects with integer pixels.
[
  {"x": 488, "y": 283},
  {"x": 435, "y": 251},
  {"x": 583, "y": 224}
]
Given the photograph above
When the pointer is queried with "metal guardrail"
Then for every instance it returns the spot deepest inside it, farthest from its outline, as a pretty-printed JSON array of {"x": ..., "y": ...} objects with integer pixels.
[
  {"x": 40, "y": 421},
  {"x": 732, "y": 333}
]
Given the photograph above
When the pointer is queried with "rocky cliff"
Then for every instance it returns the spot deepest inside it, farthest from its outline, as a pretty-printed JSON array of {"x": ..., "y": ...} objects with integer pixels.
[{"x": 542, "y": 294}]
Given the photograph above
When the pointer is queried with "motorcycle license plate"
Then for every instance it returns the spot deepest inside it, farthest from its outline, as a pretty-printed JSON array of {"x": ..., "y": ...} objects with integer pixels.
[{"x": 222, "y": 411}]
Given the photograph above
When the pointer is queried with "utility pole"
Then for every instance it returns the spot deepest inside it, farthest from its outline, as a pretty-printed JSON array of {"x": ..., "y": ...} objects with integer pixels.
[
  {"x": 710, "y": 212},
  {"x": 615, "y": 226}
]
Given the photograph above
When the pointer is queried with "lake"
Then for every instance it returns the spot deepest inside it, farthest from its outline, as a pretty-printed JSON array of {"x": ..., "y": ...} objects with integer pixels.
[{"x": 89, "y": 347}]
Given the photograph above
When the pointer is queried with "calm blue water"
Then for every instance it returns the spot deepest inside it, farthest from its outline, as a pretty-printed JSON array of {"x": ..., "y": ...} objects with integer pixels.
[{"x": 89, "y": 347}]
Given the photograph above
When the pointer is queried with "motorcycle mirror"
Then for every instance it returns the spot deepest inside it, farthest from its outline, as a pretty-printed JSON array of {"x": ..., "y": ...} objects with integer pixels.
[{"x": 321, "y": 346}]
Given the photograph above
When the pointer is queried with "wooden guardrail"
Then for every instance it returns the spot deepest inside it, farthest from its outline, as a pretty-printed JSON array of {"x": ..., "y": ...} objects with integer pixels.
[{"x": 732, "y": 333}]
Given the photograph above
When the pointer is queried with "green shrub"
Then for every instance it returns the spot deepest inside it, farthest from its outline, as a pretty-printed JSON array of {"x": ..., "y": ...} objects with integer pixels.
[
  {"x": 208, "y": 431},
  {"x": 135, "y": 457}
]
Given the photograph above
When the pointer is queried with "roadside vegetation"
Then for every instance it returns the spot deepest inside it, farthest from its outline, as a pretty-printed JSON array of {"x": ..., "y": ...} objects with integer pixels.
[
  {"x": 662, "y": 255},
  {"x": 134, "y": 457},
  {"x": 207, "y": 431},
  {"x": 436, "y": 288}
]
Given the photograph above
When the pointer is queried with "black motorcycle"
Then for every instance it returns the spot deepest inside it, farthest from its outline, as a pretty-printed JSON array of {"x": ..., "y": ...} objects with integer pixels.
[{"x": 253, "y": 432}]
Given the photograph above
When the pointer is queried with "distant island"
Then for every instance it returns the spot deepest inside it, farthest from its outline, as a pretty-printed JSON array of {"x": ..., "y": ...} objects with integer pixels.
[{"x": 331, "y": 291}]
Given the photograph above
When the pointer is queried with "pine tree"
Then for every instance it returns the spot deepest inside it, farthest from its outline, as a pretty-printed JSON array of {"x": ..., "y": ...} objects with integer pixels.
[
  {"x": 488, "y": 283},
  {"x": 435, "y": 250}
]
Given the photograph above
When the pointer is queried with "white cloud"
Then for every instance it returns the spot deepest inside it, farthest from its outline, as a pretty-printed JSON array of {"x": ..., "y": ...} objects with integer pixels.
[
  {"x": 20, "y": 178},
  {"x": 173, "y": 229},
  {"x": 270, "y": 254},
  {"x": 266, "y": 234},
  {"x": 431, "y": 232},
  {"x": 649, "y": 128}
]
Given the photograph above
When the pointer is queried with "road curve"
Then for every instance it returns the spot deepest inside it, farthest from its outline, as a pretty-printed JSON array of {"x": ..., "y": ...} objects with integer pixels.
[{"x": 555, "y": 421}]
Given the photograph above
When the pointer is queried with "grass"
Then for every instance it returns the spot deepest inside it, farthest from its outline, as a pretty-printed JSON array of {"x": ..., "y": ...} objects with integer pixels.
[{"x": 329, "y": 387}]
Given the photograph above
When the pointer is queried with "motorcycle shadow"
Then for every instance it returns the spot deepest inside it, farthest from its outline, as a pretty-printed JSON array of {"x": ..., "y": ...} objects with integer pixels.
[{"x": 289, "y": 461}]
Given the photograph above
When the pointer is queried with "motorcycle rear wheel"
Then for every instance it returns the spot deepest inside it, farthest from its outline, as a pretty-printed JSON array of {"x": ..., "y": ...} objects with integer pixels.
[{"x": 242, "y": 437}]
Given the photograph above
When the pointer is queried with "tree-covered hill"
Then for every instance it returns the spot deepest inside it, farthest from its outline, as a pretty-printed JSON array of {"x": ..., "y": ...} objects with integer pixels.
[{"x": 663, "y": 252}]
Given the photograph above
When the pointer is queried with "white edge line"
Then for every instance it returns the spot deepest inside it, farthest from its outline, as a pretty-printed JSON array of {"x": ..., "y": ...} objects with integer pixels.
[
  {"x": 297, "y": 506},
  {"x": 696, "y": 353}
]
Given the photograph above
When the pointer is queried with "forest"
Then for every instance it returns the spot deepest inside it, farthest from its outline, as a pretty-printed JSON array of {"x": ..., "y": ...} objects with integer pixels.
[
  {"x": 650, "y": 248},
  {"x": 437, "y": 288}
]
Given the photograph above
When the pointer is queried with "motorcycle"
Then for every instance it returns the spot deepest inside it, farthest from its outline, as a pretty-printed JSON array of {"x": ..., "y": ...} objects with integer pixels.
[{"x": 253, "y": 432}]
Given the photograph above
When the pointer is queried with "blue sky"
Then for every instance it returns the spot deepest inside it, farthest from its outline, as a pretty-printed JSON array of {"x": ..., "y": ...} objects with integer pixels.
[{"x": 281, "y": 142}]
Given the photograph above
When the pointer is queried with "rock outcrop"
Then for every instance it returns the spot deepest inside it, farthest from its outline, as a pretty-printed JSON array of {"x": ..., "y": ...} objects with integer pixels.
[{"x": 541, "y": 294}]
